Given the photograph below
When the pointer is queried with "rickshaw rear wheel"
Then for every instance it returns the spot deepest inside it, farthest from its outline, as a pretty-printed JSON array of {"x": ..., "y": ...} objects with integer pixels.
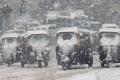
[{"x": 66, "y": 66}]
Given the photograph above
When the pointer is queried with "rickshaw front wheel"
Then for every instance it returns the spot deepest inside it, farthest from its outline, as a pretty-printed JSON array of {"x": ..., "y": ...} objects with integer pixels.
[
  {"x": 9, "y": 63},
  {"x": 39, "y": 63},
  {"x": 45, "y": 62},
  {"x": 102, "y": 64},
  {"x": 90, "y": 62},
  {"x": 22, "y": 64},
  {"x": 109, "y": 64},
  {"x": 66, "y": 66}
]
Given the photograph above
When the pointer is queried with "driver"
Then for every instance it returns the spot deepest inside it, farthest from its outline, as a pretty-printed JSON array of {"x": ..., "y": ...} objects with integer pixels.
[
  {"x": 101, "y": 53},
  {"x": 24, "y": 48}
]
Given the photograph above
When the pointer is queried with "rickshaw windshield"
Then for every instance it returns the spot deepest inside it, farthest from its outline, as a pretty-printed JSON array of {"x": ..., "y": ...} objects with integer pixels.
[
  {"x": 85, "y": 36},
  {"x": 9, "y": 40},
  {"x": 38, "y": 38},
  {"x": 66, "y": 35},
  {"x": 111, "y": 35}
]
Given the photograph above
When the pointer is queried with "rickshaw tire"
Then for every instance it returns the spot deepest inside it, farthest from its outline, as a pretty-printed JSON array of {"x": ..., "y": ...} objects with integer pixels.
[
  {"x": 66, "y": 66},
  {"x": 90, "y": 65},
  {"x": 9, "y": 62},
  {"x": 58, "y": 59},
  {"x": 102, "y": 65},
  {"x": 91, "y": 62},
  {"x": 8, "y": 65},
  {"x": 63, "y": 66},
  {"x": 39, "y": 63},
  {"x": 109, "y": 65},
  {"x": 46, "y": 64},
  {"x": 22, "y": 64}
]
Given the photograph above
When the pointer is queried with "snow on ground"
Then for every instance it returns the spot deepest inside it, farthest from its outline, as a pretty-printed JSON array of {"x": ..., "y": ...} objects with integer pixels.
[
  {"x": 55, "y": 72},
  {"x": 88, "y": 76},
  {"x": 31, "y": 72}
]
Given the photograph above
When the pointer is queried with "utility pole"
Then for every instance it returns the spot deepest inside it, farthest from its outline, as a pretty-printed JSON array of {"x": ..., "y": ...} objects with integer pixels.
[
  {"x": 23, "y": 13},
  {"x": 23, "y": 7}
]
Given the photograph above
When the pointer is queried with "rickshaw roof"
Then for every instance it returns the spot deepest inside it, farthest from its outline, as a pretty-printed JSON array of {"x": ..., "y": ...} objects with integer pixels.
[
  {"x": 85, "y": 30},
  {"x": 71, "y": 29},
  {"x": 35, "y": 32},
  {"x": 117, "y": 30},
  {"x": 109, "y": 25},
  {"x": 8, "y": 35}
]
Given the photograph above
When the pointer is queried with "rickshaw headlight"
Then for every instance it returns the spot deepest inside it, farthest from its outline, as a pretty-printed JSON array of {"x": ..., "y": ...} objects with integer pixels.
[
  {"x": 64, "y": 58},
  {"x": 39, "y": 55},
  {"x": 81, "y": 51},
  {"x": 46, "y": 48},
  {"x": 32, "y": 53}
]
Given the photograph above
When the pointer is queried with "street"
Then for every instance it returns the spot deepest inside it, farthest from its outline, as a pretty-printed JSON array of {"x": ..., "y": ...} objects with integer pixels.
[
  {"x": 55, "y": 72},
  {"x": 31, "y": 72},
  {"x": 81, "y": 32}
]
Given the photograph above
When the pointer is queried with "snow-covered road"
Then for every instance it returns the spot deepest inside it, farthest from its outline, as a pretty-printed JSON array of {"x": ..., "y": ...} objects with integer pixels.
[
  {"x": 31, "y": 72},
  {"x": 55, "y": 72}
]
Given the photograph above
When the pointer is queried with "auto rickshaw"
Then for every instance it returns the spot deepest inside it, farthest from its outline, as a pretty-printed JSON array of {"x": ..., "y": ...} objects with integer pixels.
[
  {"x": 71, "y": 49},
  {"x": 39, "y": 51},
  {"x": 109, "y": 45},
  {"x": 9, "y": 43}
]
